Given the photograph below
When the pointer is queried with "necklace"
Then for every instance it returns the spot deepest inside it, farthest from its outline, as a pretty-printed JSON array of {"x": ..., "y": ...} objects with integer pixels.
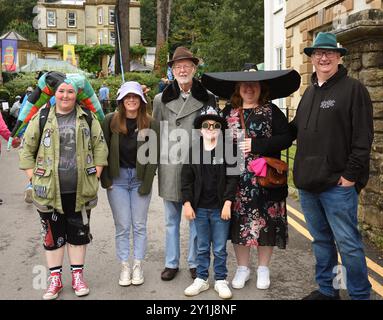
[{"x": 251, "y": 112}]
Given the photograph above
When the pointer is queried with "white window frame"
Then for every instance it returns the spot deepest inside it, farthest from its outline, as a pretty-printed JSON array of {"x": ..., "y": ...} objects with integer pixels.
[
  {"x": 100, "y": 35},
  {"x": 72, "y": 19},
  {"x": 100, "y": 15},
  {"x": 68, "y": 35},
  {"x": 112, "y": 40},
  {"x": 51, "y": 34},
  {"x": 51, "y": 23},
  {"x": 111, "y": 10}
]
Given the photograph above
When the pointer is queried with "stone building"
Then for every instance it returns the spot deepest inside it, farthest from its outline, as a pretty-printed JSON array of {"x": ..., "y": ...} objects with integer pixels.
[
  {"x": 86, "y": 22},
  {"x": 359, "y": 28}
]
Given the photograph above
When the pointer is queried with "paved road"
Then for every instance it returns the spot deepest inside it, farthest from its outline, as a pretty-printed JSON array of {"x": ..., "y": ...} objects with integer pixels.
[{"x": 22, "y": 259}]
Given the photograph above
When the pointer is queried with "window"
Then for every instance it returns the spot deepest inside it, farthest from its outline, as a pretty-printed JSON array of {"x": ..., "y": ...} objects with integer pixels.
[
  {"x": 279, "y": 58},
  {"x": 72, "y": 38},
  {"x": 51, "y": 18},
  {"x": 100, "y": 16},
  {"x": 112, "y": 38},
  {"x": 51, "y": 39},
  {"x": 100, "y": 34},
  {"x": 111, "y": 16},
  {"x": 71, "y": 19}
]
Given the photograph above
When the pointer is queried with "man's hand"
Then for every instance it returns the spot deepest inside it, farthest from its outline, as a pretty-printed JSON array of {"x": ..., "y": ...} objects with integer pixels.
[
  {"x": 188, "y": 211},
  {"x": 345, "y": 183}
]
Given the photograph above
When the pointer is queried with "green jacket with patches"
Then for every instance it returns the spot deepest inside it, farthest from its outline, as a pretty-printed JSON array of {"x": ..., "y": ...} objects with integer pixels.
[{"x": 91, "y": 151}]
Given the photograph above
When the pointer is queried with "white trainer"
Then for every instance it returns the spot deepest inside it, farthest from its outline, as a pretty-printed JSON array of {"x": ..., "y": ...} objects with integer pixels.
[
  {"x": 221, "y": 286},
  {"x": 196, "y": 287},
  {"x": 263, "y": 277},
  {"x": 241, "y": 276},
  {"x": 138, "y": 273},
  {"x": 125, "y": 277}
]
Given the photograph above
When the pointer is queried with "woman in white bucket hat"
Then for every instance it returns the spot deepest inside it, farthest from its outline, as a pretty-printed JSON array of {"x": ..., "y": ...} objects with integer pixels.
[{"x": 128, "y": 178}]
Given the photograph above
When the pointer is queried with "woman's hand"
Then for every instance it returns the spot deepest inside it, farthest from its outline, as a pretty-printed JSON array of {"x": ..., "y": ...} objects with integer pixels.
[
  {"x": 245, "y": 145},
  {"x": 188, "y": 211},
  {"x": 226, "y": 211}
]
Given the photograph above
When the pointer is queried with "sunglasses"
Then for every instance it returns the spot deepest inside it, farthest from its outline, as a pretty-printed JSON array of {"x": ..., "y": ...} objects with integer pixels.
[{"x": 213, "y": 126}]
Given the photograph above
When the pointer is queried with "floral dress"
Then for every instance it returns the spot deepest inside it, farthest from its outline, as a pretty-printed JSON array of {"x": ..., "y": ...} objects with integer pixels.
[{"x": 255, "y": 220}]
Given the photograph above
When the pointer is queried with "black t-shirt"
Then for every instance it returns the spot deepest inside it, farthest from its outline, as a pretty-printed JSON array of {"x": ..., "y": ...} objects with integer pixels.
[
  {"x": 208, "y": 198},
  {"x": 128, "y": 145}
]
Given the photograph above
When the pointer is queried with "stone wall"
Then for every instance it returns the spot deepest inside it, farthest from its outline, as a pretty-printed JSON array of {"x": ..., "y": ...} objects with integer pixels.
[{"x": 363, "y": 37}]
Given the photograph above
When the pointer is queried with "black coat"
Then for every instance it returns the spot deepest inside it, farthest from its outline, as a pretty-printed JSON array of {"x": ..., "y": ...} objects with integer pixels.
[{"x": 191, "y": 182}]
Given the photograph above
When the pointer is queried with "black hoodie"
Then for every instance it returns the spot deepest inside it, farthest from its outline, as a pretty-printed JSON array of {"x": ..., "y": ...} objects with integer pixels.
[{"x": 334, "y": 131}]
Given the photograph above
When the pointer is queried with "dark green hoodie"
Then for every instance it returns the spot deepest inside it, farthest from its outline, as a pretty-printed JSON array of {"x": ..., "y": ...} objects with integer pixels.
[{"x": 334, "y": 131}]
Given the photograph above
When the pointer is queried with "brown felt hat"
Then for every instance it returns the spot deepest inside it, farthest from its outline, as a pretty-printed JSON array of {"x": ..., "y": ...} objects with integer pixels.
[{"x": 182, "y": 53}]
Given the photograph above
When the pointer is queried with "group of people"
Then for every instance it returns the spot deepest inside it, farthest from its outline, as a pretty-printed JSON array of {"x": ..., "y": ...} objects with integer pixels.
[{"x": 221, "y": 199}]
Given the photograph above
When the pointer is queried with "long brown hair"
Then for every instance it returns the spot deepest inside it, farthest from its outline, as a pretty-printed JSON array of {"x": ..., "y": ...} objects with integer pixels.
[
  {"x": 236, "y": 99},
  {"x": 118, "y": 122}
]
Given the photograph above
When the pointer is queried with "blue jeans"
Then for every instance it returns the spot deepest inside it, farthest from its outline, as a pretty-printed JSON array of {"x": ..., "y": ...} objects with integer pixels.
[
  {"x": 211, "y": 229},
  {"x": 331, "y": 218},
  {"x": 173, "y": 212},
  {"x": 130, "y": 210}
]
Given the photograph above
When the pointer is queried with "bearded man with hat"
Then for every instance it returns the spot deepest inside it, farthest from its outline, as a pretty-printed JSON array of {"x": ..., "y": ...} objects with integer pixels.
[
  {"x": 176, "y": 108},
  {"x": 333, "y": 126}
]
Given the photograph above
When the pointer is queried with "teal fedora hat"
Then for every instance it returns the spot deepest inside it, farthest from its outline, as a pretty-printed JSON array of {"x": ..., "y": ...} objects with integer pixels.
[{"x": 325, "y": 40}]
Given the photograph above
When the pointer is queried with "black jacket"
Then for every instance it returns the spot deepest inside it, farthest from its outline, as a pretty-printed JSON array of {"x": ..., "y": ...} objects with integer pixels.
[
  {"x": 191, "y": 180},
  {"x": 334, "y": 131}
]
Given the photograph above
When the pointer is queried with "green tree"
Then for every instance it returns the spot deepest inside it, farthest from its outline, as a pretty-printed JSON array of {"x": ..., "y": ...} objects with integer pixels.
[
  {"x": 163, "y": 25},
  {"x": 24, "y": 28},
  {"x": 148, "y": 22},
  {"x": 224, "y": 33},
  {"x": 20, "y": 10}
]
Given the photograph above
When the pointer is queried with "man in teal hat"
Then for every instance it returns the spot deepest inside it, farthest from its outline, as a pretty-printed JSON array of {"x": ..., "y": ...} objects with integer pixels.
[{"x": 333, "y": 126}]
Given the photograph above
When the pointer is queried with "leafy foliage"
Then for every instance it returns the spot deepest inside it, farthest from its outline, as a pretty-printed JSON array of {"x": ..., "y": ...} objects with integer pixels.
[
  {"x": 90, "y": 57},
  {"x": 20, "y": 83},
  {"x": 24, "y": 28},
  {"x": 224, "y": 33},
  {"x": 20, "y": 11},
  {"x": 137, "y": 52},
  {"x": 148, "y": 22}
]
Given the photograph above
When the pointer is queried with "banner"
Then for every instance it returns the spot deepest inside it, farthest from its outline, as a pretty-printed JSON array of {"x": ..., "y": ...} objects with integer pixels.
[
  {"x": 69, "y": 54},
  {"x": 9, "y": 55}
]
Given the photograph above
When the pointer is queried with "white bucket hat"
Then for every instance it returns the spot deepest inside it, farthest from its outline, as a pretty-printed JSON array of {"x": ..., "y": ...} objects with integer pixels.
[{"x": 130, "y": 87}]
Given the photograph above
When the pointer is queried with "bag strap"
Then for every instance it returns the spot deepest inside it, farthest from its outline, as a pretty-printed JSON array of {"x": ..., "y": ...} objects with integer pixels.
[{"x": 241, "y": 117}]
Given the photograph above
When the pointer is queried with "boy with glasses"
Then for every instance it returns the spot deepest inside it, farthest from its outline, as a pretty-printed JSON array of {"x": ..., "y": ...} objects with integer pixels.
[{"x": 207, "y": 194}]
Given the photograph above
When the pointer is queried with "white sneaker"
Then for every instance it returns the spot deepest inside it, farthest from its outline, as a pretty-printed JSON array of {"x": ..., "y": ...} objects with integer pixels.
[
  {"x": 125, "y": 278},
  {"x": 263, "y": 277},
  {"x": 28, "y": 193},
  {"x": 221, "y": 286},
  {"x": 241, "y": 276},
  {"x": 138, "y": 273},
  {"x": 196, "y": 287}
]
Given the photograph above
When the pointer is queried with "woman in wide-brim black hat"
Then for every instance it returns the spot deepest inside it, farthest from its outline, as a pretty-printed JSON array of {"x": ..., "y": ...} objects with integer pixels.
[{"x": 258, "y": 214}]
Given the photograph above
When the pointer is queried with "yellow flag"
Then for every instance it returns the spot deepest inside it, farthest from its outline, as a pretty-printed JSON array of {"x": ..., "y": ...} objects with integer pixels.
[{"x": 69, "y": 54}]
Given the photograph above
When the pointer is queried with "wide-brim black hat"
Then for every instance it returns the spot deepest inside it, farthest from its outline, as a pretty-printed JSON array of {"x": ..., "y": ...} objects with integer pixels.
[{"x": 281, "y": 83}]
